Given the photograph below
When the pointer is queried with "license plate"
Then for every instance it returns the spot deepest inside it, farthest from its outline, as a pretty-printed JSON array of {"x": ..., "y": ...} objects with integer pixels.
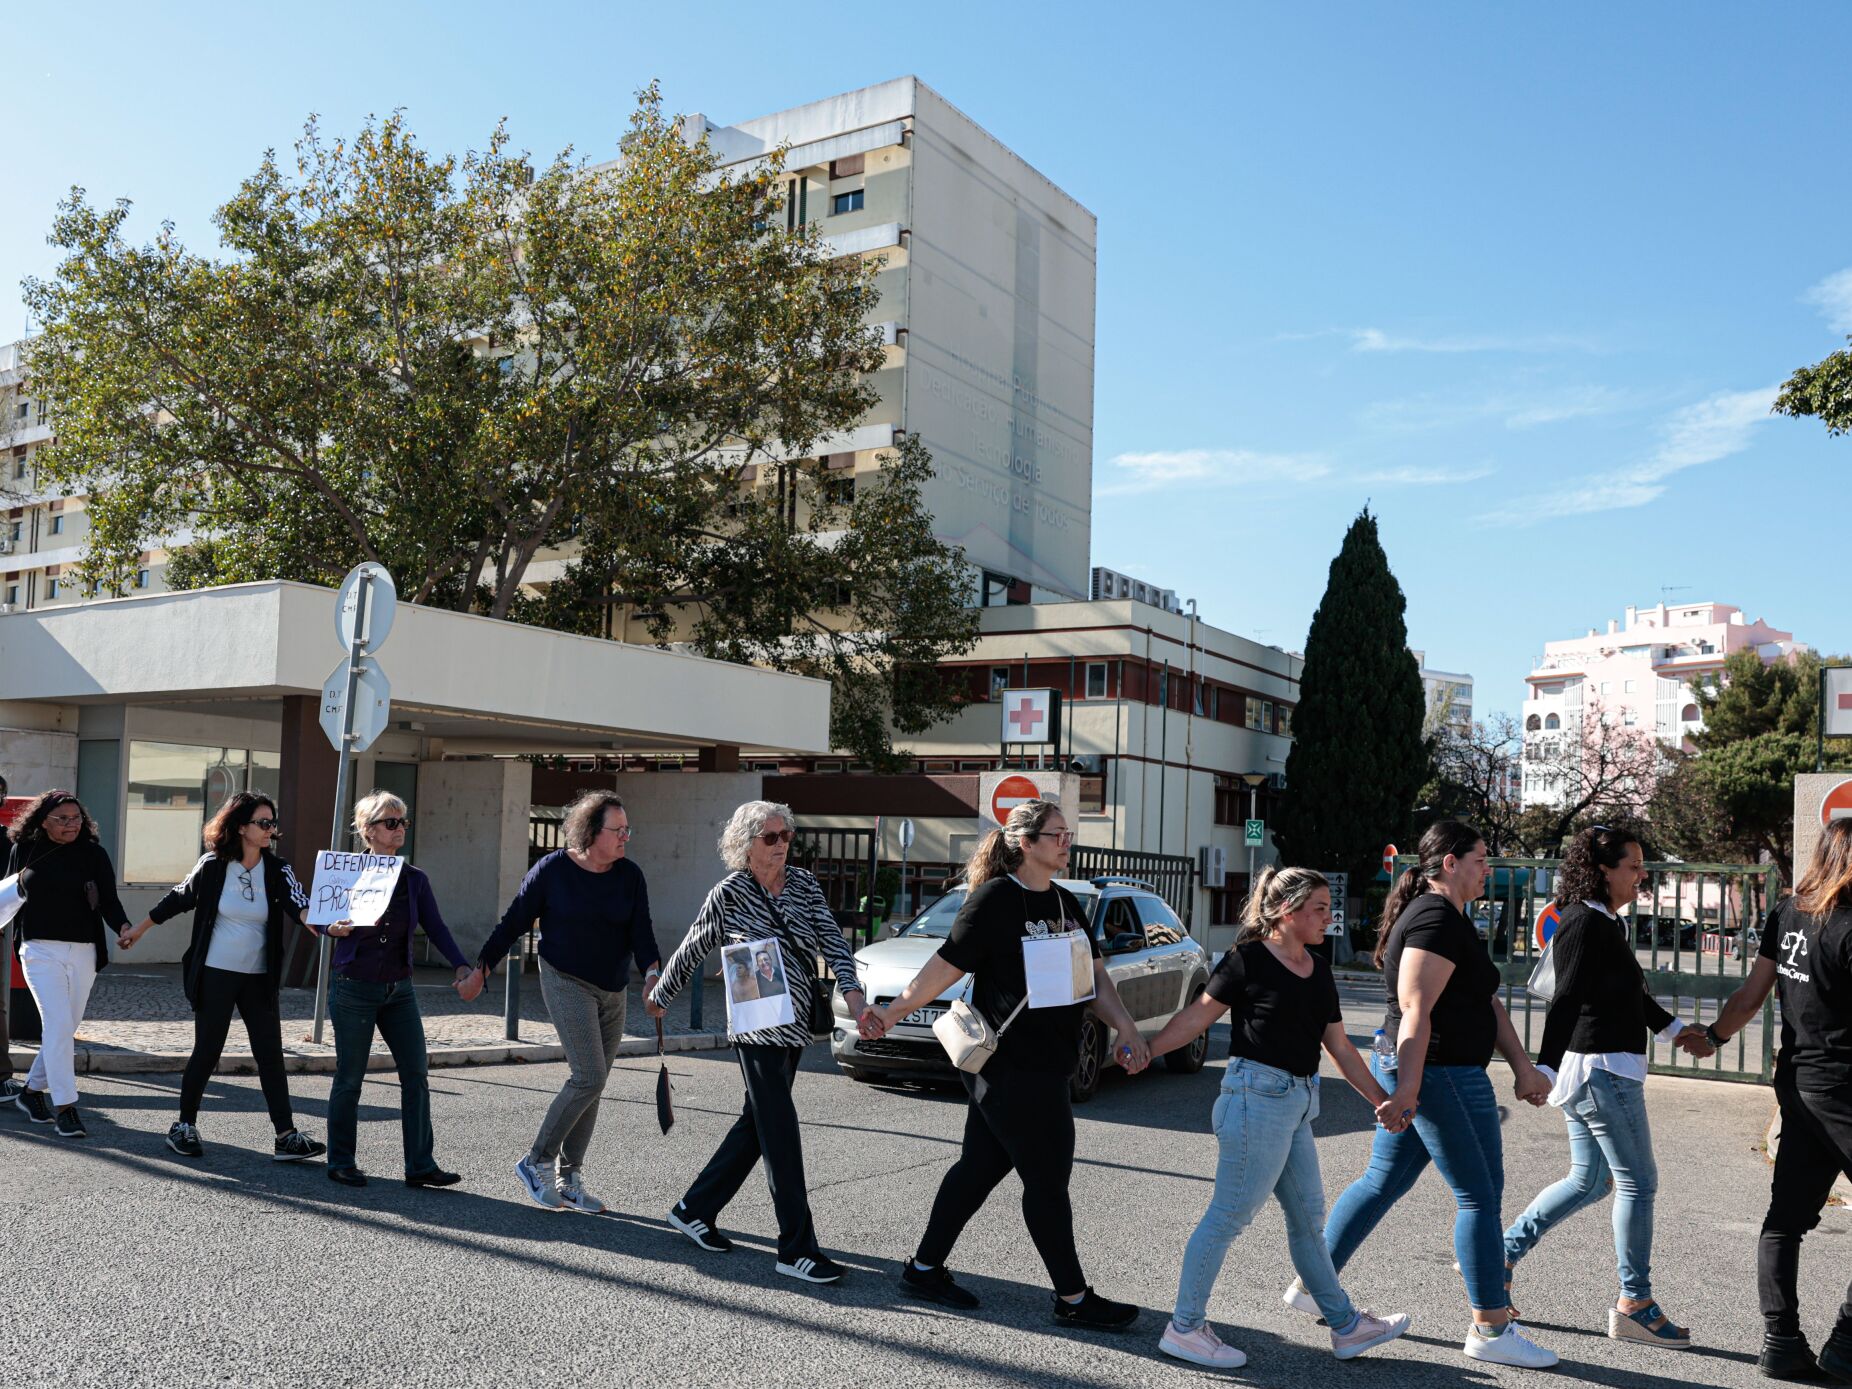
[{"x": 923, "y": 1017}]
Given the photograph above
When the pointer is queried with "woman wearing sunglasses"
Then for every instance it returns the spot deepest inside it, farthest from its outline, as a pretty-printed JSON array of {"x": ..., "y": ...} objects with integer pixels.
[
  {"x": 592, "y": 907},
  {"x": 70, "y": 898},
  {"x": 762, "y": 899},
  {"x": 372, "y": 990},
  {"x": 241, "y": 894}
]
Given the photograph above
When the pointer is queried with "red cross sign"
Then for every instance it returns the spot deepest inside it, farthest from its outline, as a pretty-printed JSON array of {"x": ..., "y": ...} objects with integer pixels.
[{"x": 1028, "y": 716}]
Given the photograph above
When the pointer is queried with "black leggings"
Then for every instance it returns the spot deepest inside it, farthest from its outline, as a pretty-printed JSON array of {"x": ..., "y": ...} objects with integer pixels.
[
  {"x": 250, "y": 995},
  {"x": 1023, "y": 1121},
  {"x": 1816, "y": 1146}
]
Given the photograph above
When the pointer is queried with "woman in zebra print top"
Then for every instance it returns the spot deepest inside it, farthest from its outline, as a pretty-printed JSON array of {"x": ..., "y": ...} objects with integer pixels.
[{"x": 764, "y": 899}]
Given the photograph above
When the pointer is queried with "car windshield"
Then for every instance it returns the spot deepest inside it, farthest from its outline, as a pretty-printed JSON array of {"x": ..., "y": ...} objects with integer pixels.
[{"x": 935, "y": 920}]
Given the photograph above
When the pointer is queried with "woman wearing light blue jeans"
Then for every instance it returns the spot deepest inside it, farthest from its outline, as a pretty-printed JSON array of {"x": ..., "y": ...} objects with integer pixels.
[{"x": 1283, "y": 1008}]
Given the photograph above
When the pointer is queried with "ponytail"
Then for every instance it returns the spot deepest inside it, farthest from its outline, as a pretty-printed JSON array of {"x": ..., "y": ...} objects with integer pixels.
[
  {"x": 1000, "y": 851},
  {"x": 1440, "y": 840},
  {"x": 1277, "y": 894}
]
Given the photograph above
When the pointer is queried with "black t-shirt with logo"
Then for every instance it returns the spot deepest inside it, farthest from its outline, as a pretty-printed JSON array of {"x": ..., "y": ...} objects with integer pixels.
[
  {"x": 1813, "y": 976},
  {"x": 1463, "y": 1028},
  {"x": 1275, "y": 1017},
  {"x": 986, "y": 943}
]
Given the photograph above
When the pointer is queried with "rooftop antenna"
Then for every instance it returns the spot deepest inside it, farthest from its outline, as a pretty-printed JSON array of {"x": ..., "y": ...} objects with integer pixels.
[{"x": 1672, "y": 588}]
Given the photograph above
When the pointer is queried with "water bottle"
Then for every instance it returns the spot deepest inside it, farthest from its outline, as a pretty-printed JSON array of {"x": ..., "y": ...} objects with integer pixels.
[{"x": 1384, "y": 1049}]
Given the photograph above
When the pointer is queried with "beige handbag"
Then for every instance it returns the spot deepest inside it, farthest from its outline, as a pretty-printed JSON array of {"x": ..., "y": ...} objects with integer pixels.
[{"x": 969, "y": 1040}]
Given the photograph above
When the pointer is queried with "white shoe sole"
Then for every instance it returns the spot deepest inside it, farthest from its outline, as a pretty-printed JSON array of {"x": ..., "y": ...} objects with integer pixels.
[
  {"x": 1353, "y": 1351},
  {"x": 535, "y": 1194},
  {"x": 798, "y": 1271},
  {"x": 1488, "y": 1352},
  {"x": 1176, "y": 1352},
  {"x": 182, "y": 1151},
  {"x": 687, "y": 1227},
  {"x": 594, "y": 1207}
]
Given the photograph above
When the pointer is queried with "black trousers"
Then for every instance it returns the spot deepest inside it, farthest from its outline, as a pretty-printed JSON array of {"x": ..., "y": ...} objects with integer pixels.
[
  {"x": 1026, "y": 1122},
  {"x": 1816, "y": 1146},
  {"x": 768, "y": 1128},
  {"x": 222, "y": 992}
]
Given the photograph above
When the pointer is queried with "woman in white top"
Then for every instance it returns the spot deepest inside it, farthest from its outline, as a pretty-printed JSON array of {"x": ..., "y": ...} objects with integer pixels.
[
  {"x": 1594, "y": 1050},
  {"x": 242, "y": 895}
]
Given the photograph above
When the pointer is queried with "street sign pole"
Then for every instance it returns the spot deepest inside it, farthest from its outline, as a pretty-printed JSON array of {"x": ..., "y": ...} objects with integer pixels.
[{"x": 343, "y": 757}]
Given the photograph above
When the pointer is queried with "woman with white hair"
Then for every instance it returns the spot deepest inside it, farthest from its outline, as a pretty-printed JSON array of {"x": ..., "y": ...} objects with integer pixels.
[
  {"x": 373, "y": 989},
  {"x": 764, "y": 899}
]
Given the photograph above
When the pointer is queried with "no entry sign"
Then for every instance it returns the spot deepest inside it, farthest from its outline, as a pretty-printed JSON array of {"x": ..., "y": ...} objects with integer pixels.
[
  {"x": 1011, "y": 792},
  {"x": 1836, "y": 804}
]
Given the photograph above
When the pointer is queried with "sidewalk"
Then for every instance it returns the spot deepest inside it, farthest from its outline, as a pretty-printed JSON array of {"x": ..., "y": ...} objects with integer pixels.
[{"x": 138, "y": 1020}]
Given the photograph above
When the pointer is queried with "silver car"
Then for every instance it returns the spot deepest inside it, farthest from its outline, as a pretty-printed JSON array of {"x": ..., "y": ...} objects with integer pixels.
[{"x": 1154, "y": 964}]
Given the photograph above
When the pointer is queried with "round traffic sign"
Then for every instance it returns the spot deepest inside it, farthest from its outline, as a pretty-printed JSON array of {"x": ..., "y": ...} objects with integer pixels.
[
  {"x": 1547, "y": 921},
  {"x": 1389, "y": 853},
  {"x": 382, "y": 601},
  {"x": 1011, "y": 792},
  {"x": 906, "y": 835},
  {"x": 1836, "y": 804}
]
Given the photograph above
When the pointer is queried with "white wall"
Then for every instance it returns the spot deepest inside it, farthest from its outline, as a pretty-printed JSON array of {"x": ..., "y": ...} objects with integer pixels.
[
  {"x": 472, "y": 840},
  {"x": 677, "y": 820},
  {"x": 38, "y": 748}
]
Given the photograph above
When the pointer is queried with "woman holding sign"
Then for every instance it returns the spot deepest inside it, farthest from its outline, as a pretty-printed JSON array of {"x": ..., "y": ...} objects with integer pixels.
[
  {"x": 373, "y": 989},
  {"x": 772, "y": 921},
  {"x": 241, "y": 895},
  {"x": 1019, "y": 935}
]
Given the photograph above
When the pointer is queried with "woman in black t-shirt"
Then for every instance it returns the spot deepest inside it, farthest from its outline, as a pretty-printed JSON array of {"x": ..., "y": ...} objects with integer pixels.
[
  {"x": 1806, "y": 954},
  {"x": 1020, "y": 1115},
  {"x": 1446, "y": 1019},
  {"x": 1283, "y": 1006}
]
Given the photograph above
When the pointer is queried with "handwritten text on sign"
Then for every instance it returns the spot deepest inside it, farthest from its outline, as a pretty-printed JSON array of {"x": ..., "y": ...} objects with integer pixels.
[{"x": 352, "y": 887}]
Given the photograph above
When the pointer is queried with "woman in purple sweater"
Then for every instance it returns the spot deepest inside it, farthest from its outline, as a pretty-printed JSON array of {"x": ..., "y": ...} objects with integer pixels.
[{"x": 373, "y": 989}]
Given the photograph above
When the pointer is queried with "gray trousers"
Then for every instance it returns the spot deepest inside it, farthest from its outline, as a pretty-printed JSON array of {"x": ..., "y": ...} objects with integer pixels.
[{"x": 590, "y": 1023}]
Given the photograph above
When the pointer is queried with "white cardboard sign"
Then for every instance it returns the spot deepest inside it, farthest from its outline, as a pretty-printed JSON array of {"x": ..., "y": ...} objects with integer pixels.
[
  {"x": 1058, "y": 969},
  {"x": 352, "y": 887}
]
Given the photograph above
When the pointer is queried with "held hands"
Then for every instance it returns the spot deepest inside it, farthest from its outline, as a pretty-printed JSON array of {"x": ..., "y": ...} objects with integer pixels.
[
  {"x": 1397, "y": 1111},
  {"x": 127, "y": 937},
  {"x": 1132, "y": 1053},
  {"x": 1692, "y": 1041},
  {"x": 468, "y": 983},
  {"x": 870, "y": 1025},
  {"x": 1532, "y": 1086}
]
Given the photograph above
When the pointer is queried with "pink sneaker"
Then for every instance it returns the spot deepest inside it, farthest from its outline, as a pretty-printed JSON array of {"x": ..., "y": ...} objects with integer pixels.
[
  {"x": 1368, "y": 1332},
  {"x": 1200, "y": 1347}
]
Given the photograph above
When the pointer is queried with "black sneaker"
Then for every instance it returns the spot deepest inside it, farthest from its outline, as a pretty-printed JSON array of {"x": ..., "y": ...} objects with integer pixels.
[
  {"x": 69, "y": 1125},
  {"x": 296, "y": 1146},
  {"x": 699, "y": 1231},
  {"x": 1836, "y": 1354},
  {"x": 936, "y": 1285},
  {"x": 10, "y": 1090},
  {"x": 1788, "y": 1357},
  {"x": 37, "y": 1106},
  {"x": 435, "y": 1177},
  {"x": 1094, "y": 1312},
  {"x": 817, "y": 1268},
  {"x": 184, "y": 1140}
]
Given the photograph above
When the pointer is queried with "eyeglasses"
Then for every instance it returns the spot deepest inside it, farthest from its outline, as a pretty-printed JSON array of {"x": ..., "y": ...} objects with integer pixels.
[
  {"x": 1061, "y": 837},
  {"x": 246, "y": 887},
  {"x": 392, "y": 822},
  {"x": 268, "y": 826},
  {"x": 76, "y": 819},
  {"x": 771, "y": 839},
  {"x": 621, "y": 831}
]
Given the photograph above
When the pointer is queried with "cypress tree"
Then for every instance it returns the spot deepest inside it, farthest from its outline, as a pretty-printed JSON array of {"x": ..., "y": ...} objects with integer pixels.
[{"x": 1357, "y": 759}]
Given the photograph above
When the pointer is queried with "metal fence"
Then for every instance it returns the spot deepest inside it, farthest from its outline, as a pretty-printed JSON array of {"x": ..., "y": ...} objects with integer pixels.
[
  {"x": 1173, "y": 876},
  {"x": 1695, "y": 928}
]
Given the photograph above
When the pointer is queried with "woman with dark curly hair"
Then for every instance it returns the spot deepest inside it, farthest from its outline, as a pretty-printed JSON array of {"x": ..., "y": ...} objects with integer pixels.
[
  {"x": 69, "y": 886},
  {"x": 241, "y": 893},
  {"x": 1594, "y": 1051}
]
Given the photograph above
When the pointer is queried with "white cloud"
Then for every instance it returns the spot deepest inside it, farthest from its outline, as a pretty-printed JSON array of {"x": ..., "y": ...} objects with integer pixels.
[
  {"x": 1702, "y": 433},
  {"x": 1158, "y": 470},
  {"x": 1515, "y": 410},
  {"x": 1423, "y": 477},
  {"x": 1833, "y": 298},
  {"x": 1376, "y": 340}
]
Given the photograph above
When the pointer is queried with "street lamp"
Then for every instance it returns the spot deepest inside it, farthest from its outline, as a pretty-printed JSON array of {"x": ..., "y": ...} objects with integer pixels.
[{"x": 1255, "y": 781}]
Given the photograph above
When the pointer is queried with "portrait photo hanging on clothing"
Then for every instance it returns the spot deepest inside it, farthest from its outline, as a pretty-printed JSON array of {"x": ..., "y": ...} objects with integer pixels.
[{"x": 758, "y": 991}]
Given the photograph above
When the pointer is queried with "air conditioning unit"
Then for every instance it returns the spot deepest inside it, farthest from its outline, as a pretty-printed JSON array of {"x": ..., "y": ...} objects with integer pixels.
[
  {"x": 6, "y": 546},
  {"x": 6, "y": 608},
  {"x": 1212, "y": 859}
]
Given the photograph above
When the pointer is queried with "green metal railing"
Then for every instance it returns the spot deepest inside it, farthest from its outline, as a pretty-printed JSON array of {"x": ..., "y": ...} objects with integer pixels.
[{"x": 1695, "y": 930}]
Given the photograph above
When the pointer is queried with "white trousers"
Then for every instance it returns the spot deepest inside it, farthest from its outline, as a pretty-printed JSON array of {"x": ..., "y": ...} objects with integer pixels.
[{"x": 60, "y": 974}]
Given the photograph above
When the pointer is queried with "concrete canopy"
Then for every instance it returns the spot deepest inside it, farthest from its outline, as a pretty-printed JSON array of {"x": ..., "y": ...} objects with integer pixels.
[{"x": 477, "y": 684}]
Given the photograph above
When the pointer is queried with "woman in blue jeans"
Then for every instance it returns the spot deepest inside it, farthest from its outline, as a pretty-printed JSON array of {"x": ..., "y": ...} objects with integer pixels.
[
  {"x": 1444, "y": 1013},
  {"x": 1284, "y": 1007},
  {"x": 1594, "y": 1047},
  {"x": 372, "y": 989}
]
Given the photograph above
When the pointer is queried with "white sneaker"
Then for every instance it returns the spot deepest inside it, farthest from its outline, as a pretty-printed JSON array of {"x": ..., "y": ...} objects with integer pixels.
[
  {"x": 1512, "y": 1347},
  {"x": 1366, "y": 1333},
  {"x": 1297, "y": 1298},
  {"x": 537, "y": 1187},
  {"x": 1200, "y": 1347},
  {"x": 573, "y": 1195}
]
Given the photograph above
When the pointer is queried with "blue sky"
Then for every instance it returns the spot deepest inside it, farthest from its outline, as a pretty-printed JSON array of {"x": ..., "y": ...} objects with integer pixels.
[{"x": 1524, "y": 278}]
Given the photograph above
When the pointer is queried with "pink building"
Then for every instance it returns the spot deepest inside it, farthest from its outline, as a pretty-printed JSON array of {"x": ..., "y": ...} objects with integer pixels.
[{"x": 1639, "y": 674}]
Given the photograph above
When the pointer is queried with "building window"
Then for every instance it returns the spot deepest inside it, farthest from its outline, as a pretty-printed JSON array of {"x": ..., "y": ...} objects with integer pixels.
[
  {"x": 1626, "y": 687},
  {"x": 1096, "y": 680},
  {"x": 1266, "y": 716},
  {"x": 1253, "y": 712},
  {"x": 16, "y": 530},
  {"x": 1607, "y": 687},
  {"x": 19, "y": 469},
  {"x": 999, "y": 681},
  {"x": 846, "y": 202},
  {"x": 57, "y": 525},
  {"x": 1552, "y": 721},
  {"x": 172, "y": 788},
  {"x": 52, "y": 588},
  {"x": 1630, "y": 716},
  {"x": 12, "y": 594},
  {"x": 1689, "y": 714},
  {"x": 141, "y": 578},
  {"x": 1286, "y": 721},
  {"x": 839, "y": 489}
]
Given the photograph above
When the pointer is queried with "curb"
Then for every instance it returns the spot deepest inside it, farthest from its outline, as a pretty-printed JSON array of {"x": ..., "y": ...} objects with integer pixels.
[{"x": 95, "y": 1061}]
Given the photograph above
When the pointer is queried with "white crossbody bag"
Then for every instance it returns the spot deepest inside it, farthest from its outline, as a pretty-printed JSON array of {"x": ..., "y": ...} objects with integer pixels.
[{"x": 968, "y": 1038}]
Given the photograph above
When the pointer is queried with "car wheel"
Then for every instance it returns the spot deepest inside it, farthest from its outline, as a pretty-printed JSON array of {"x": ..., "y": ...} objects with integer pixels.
[
  {"x": 1086, "y": 1082},
  {"x": 856, "y": 1073},
  {"x": 1187, "y": 1061}
]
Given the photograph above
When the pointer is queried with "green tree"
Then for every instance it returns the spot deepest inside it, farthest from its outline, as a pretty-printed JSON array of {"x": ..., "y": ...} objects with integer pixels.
[
  {"x": 1823, "y": 390},
  {"x": 1358, "y": 756}
]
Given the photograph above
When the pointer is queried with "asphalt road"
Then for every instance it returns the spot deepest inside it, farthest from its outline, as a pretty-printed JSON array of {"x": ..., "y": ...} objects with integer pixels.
[{"x": 127, "y": 1265}]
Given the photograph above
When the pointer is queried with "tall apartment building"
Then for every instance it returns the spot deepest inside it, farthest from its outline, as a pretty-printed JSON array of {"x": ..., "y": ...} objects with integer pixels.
[
  {"x": 1448, "y": 694},
  {"x": 1638, "y": 674}
]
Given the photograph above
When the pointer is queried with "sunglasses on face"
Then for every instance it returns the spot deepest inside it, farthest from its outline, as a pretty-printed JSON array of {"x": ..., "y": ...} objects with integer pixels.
[
  {"x": 771, "y": 839},
  {"x": 392, "y": 822},
  {"x": 268, "y": 826}
]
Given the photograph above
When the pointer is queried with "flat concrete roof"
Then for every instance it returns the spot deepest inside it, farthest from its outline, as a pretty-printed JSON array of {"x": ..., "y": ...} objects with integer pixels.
[{"x": 503, "y": 685}]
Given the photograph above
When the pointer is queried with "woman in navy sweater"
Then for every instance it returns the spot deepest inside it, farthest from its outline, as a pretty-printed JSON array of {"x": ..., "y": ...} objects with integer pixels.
[
  {"x": 592, "y": 907},
  {"x": 373, "y": 989}
]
